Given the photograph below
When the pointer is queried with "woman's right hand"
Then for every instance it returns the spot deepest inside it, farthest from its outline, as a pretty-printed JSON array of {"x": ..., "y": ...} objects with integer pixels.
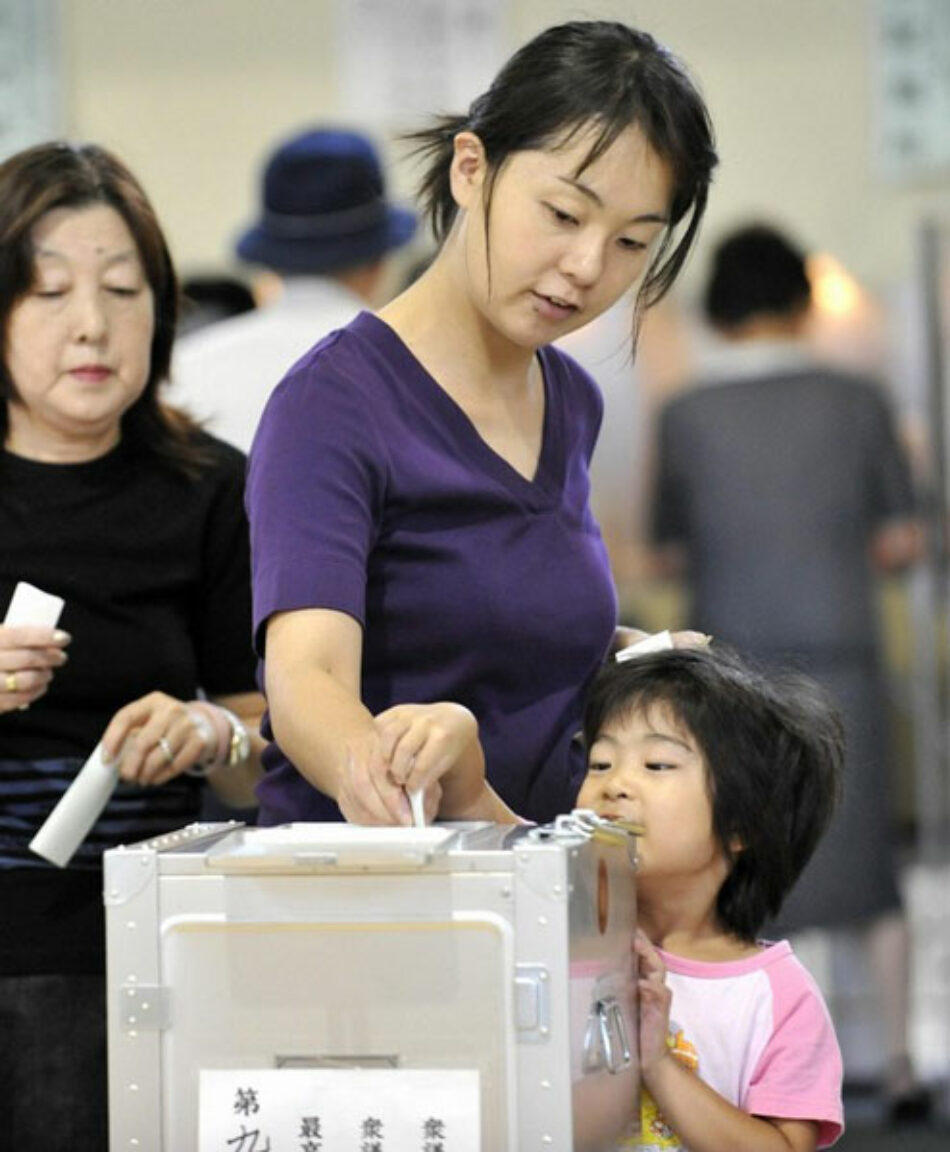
[
  {"x": 29, "y": 655},
  {"x": 366, "y": 790}
]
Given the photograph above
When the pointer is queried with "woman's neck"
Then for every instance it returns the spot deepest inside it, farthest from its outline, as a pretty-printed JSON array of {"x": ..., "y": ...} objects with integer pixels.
[
  {"x": 438, "y": 321},
  {"x": 51, "y": 447}
]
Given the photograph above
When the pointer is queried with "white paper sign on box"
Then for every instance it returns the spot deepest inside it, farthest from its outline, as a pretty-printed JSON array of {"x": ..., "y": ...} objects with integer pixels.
[{"x": 346, "y": 1110}]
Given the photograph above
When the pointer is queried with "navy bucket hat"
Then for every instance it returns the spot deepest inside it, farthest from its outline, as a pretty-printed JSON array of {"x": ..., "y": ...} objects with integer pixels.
[{"x": 324, "y": 206}]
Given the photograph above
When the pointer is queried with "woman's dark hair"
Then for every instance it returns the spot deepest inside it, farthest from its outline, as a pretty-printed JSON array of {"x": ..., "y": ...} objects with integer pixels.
[
  {"x": 755, "y": 271},
  {"x": 774, "y": 747},
  {"x": 566, "y": 79},
  {"x": 55, "y": 175}
]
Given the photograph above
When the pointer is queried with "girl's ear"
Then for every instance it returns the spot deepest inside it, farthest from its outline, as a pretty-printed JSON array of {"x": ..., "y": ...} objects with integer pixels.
[
  {"x": 735, "y": 846},
  {"x": 468, "y": 169}
]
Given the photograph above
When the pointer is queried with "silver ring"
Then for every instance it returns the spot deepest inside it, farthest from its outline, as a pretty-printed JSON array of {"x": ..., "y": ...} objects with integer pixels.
[{"x": 166, "y": 748}]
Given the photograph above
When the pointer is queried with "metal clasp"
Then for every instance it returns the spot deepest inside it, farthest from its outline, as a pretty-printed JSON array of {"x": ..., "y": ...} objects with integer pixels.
[{"x": 605, "y": 1039}]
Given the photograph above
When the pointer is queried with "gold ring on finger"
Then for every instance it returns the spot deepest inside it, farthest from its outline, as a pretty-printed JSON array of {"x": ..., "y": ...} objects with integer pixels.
[
  {"x": 10, "y": 682},
  {"x": 166, "y": 748}
]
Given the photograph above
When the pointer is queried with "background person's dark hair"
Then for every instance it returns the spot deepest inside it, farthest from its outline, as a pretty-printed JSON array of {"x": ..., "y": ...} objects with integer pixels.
[
  {"x": 755, "y": 271},
  {"x": 564, "y": 80},
  {"x": 207, "y": 299},
  {"x": 55, "y": 175},
  {"x": 774, "y": 746}
]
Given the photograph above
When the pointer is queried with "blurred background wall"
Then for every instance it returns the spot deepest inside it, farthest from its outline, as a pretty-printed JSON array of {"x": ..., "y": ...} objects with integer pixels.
[{"x": 191, "y": 93}]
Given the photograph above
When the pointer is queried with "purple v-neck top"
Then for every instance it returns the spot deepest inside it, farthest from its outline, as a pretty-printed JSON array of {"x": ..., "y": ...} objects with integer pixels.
[{"x": 370, "y": 492}]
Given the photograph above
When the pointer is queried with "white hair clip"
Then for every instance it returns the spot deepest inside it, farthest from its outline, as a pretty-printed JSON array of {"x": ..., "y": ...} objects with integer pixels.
[{"x": 658, "y": 642}]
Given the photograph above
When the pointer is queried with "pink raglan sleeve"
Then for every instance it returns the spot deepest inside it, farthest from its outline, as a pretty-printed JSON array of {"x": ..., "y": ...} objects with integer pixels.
[{"x": 799, "y": 1074}]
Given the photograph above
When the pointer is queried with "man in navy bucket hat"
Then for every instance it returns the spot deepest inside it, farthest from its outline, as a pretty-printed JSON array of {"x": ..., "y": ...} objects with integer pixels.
[{"x": 325, "y": 228}]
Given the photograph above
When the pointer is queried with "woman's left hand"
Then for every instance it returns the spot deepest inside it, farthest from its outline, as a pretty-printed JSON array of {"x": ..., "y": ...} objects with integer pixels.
[{"x": 155, "y": 738}]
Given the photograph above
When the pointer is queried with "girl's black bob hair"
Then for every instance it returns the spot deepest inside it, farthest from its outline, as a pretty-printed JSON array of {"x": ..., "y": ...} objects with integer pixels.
[{"x": 774, "y": 750}]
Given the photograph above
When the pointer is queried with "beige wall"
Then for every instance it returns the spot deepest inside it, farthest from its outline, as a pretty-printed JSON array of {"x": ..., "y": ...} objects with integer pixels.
[{"x": 191, "y": 92}]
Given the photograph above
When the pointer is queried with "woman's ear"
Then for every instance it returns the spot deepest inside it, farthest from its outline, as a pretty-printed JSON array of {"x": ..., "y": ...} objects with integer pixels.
[{"x": 468, "y": 169}]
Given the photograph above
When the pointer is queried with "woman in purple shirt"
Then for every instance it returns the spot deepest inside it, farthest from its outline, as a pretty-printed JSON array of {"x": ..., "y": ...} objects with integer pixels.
[{"x": 418, "y": 487}]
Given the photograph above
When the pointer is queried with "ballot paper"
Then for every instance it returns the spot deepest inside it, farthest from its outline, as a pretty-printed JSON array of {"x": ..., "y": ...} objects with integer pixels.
[
  {"x": 416, "y": 807},
  {"x": 78, "y": 809},
  {"x": 31, "y": 605}
]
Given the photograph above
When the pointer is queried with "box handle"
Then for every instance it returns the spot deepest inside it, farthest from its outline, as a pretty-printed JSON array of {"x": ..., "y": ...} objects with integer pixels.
[{"x": 605, "y": 1039}]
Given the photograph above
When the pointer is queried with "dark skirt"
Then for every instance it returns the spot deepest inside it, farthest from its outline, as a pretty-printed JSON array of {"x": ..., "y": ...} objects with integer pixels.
[{"x": 853, "y": 876}]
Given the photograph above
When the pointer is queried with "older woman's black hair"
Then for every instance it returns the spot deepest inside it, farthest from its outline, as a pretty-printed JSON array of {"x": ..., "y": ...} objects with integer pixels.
[
  {"x": 570, "y": 78},
  {"x": 774, "y": 749},
  {"x": 755, "y": 271},
  {"x": 56, "y": 175}
]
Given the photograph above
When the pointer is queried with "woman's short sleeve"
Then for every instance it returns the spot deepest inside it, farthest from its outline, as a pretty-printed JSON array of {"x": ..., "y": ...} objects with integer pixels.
[{"x": 314, "y": 494}]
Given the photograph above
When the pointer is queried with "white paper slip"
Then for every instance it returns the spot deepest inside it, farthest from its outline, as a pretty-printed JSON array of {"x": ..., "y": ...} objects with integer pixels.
[
  {"x": 78, "y": 809},
  {"x": 31, "y": 605},
  {"x": 417, "y": 808}
]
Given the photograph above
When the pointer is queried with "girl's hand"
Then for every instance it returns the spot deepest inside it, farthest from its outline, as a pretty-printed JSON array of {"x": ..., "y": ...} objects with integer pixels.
[
  {"x": 157, "y": 738},
  {"x": 29, "y": 655},
  {"x": 655, "y": 1000}
]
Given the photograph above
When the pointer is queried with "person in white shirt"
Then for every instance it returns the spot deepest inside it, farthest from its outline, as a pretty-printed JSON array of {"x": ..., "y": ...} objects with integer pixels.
[{"x": 326, "y": 230}]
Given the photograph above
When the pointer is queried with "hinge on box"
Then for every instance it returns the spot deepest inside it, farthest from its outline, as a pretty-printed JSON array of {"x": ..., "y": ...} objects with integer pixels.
[
  {"x": 532, "y": 1002},
  {"x": 143, "y": 1008}
]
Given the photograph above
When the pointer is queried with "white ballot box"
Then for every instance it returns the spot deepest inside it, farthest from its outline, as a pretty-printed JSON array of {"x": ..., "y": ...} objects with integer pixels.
[{"x": 302, "y": 986}]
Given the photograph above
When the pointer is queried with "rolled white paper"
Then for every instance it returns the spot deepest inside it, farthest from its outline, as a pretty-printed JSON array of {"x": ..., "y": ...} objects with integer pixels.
[
  {"x": 31, "y": 605},
  {"x": 78, "y": 809}
]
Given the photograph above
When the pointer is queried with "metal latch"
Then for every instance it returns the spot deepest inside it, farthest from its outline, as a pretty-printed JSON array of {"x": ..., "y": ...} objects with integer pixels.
[
  {"x": 605, "y": 1038},
  {"x": 584, "y": 823}
]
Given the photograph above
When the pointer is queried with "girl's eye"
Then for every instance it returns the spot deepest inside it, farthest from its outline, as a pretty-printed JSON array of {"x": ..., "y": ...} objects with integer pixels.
[
  {"x": 121, "y": 290},
  {"x": 659, "y": 766},
  {"x": 599, "y": 766},
  {"x": 632, "y": 245}
]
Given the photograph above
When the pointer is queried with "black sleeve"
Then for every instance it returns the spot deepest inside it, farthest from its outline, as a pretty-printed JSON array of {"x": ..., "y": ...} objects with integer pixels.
[{"x": 222, "y": 622}]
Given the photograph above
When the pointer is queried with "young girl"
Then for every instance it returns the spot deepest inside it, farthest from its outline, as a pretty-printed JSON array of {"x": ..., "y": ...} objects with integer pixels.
[
  {"x": 418, "y": 486},
  {"x": 733, "y": 778}
]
